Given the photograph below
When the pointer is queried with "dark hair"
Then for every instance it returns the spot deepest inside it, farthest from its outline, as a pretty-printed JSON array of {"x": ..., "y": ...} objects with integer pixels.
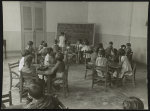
[
  {"x": 30, "y": 43},
  {"x": 121, "y": 52},
  {"x": 28, "y": 59},
  {"x": 35, "y": 91},
  {"x": 59, "y": 56},
  {"x": 111, "y": 42},
  {"x": 62, "y": 33},
  {"x": 56, "y": 41},
  {"x": 123, "y": 46},
  {"x": 128, "y": 44},
  {"x": 42, "y": 42},
  {"x": 133, "y": 103},
  {"x": 49, "y": 50},
  {"x": 115, "y": 51},
  {"x": 45, "y": 44},
  {"x": 102, "y": 53}
]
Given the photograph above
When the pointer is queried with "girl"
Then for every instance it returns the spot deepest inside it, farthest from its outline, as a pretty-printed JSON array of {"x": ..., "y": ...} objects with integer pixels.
[
  {"x": 102, "y": 62},
  {"x": 126, "y": 66},
  {"x": 49, "y": 58}
]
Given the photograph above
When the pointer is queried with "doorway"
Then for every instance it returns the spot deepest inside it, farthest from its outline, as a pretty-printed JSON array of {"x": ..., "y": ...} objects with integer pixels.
[{"x": 33, "y": 22}]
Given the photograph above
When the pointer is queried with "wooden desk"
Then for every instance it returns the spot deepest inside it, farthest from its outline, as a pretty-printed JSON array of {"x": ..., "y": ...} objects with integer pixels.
[{"x": 4, "y": 44}]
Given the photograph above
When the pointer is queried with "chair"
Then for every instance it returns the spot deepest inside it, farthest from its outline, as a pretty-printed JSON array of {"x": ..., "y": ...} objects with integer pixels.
[
  {"x": 97, "y": 79},
  {"x": 132, "y": 76},
  {"x": 13, "y": 75},
  {"x": 87, "y": 67},
  {"x": 64, "y": 80},
  {"x": 6, "y": 98},
  {"x": 24, "y": 76}
]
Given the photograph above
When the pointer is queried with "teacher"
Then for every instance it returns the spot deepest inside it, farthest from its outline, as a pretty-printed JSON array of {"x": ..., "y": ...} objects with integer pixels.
[{"x": 62, "y": 40}]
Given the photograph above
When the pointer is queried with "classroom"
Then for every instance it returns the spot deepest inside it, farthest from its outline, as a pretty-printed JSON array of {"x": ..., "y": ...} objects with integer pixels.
[{"x": 75, "y": 55}]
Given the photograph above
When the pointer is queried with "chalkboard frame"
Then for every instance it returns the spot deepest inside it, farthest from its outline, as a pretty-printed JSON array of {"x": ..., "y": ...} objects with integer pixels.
[{"x": 93, "y": 35}]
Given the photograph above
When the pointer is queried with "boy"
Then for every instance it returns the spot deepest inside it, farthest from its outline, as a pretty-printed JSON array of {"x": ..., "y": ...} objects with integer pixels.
[
  {"x": 56, "y": 47},
  {"x": 30, "y": 48},
  {"x": 109, "y": 50},
  {"x": 129, "y": 52}
]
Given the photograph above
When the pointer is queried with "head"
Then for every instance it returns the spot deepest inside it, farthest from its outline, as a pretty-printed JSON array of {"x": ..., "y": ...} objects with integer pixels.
[
  {"x": 59, "y": 56},
  {"x": 122, "y": 52},
  {"x": 49, "y": 50},
  {"x": 123, "y": 46},
  {"x": 62, "y": 33},
  {"x": 111, "y": 44},
  {"x": 55, "y": 41},
  {"x": 35, "y": 91},
  {"x": 44, "y": 44},
  {"x": 28, "y": 60},
  {"x": 30, "y": 43},
  {"x": 128, "y": 45},
  {"x": 115, "y": 51},
  {"x": 133, "y": 103},
  {"x": 101, "y": 52},
  {"x": 100, "y": 45}
]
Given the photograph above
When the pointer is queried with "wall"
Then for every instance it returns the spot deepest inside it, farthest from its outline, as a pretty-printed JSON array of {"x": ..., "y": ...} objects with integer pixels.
[
  {"x": 64, "y": 12},
  {"x": 12, "y": 25},
  {"x": 121, "y": 22}
]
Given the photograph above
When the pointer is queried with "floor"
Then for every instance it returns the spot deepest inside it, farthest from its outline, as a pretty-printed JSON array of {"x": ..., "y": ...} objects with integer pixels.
[{"x": 82, "y": 96}]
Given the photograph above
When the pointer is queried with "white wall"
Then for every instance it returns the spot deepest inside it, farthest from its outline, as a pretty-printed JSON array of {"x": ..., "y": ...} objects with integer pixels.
[
  {"x": 118, "y": 23},
  {"x": 64, "y": 12},
  {"x": 12, "y": 25}
]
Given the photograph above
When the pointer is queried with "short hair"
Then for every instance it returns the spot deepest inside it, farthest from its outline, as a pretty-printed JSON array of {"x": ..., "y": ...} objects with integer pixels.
[
  {"x": 128, "y": 44},
  {"x": 45, "y": 44},
  {"x": 111, "y": 42},
  {"x": 42, "y": 42},
  {"x": 30, "y": 43},
  {"x": 59, "y": 56},
  {"x": 123, "y": 46},
  {"x": 122, "y": 52},
  {"x": 35, "y": 91},
  {"x": 133, "y": 103}
]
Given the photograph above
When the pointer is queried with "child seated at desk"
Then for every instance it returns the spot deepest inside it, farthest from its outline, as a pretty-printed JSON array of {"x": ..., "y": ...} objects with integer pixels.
[
  {"x": 125, "y": 65},
  {"x": 49, "y": 58},
  {"x": 101, "y": 61},
  {"x": 41, "y": 45},
  {"x": 94, "y": 56}
]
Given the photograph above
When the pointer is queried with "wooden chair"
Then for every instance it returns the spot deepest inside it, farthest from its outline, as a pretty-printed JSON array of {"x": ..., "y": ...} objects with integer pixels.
[
  {"x": 64, "y": 81},
  {"x": 6, "y": 98},
  {"x": 97, "y": 79},
  {"x": 87, "y": 67},
  {"x": 24, "y": 76},
  {"x": 132, "y": 76},
  {"x": 13, "y": 75}
]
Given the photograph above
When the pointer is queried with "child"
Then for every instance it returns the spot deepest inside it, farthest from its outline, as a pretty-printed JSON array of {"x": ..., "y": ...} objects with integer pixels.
[
  {"x": 86, "y": 49},
  {"x": 62, "y": 40},
  {"x": 109, "y": 50},
  {"x": 78, "y": 48},
  {"x": 115, "y": 57},
  {"x": 129, "y": 52},
  {"x": 41, "y": 45},
  {"x": 133, "y": 103},
  {"x": 102, "y": 62},
  {"x": 126, "y": 66},
  {"x": 100, "y": 47},
  {"x": 40, "y": 100},
  {"x": 94, "y": 55},
  {"x": 56, "y": 47},
  {"x": 30, "y": 48},
  {"x": 49, "y": 58},
  {"x": 21, "y": 63},
  {"x": 123, "y": 47}
]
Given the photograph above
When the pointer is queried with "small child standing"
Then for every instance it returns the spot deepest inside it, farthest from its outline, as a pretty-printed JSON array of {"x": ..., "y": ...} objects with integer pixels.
[{"x": 102, "y": 62}]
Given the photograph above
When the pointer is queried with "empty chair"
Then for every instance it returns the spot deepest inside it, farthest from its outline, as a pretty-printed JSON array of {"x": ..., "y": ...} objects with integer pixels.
[{"x": 13, "y": 74}]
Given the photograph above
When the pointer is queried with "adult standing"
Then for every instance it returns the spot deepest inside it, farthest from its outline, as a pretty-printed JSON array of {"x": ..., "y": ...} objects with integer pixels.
[{"x": 62, "y": 40}]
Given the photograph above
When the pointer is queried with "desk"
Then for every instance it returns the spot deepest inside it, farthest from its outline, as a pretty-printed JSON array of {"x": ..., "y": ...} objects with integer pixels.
[{"x": 4, "y": 44}]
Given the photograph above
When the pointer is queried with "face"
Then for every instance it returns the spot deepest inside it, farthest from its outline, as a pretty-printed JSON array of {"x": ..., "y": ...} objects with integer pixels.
[{"x": 110, "y": 45}]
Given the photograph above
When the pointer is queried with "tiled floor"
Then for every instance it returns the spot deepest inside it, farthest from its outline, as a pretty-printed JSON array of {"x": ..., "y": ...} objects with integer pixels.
[{"x": 82, "y": 96}]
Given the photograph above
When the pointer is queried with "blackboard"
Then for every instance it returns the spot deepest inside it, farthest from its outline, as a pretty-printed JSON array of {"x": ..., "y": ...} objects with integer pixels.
[{"x": 73, "y": 32}]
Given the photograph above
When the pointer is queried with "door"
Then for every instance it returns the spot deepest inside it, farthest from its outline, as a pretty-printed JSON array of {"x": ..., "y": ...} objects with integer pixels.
[{"x": 32, "y": 23}]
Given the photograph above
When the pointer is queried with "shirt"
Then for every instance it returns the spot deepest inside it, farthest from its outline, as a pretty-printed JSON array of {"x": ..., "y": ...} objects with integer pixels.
[
  {"x": 21, "y": 63},
  {"x": 49, "y": 60},
  {"x": 62, "y": 41},
  {"x": 101, "y": 61}
]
